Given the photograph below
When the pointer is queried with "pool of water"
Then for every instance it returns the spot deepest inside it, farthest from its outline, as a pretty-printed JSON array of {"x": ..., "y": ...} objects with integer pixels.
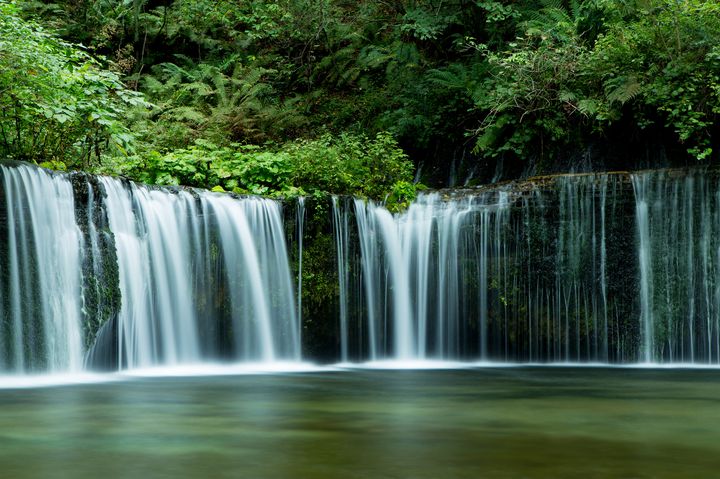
[{"x": 468, "y": 423}]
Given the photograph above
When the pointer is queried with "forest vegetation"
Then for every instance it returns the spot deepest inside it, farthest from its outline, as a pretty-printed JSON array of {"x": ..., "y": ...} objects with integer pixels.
[{"x": 371, "y": 98}]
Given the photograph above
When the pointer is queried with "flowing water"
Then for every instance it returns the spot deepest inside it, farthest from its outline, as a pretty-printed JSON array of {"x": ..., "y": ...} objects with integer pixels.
[
  {"x": 40, "y": 274},
  {"x": 679, "y": 252},
  {"x": 586, "y": 268},
  {"x": 606, "y": 268},
  {"x": 503, "y": 275},
  {"x": 412, "y": 268},
  {"x": 469, "y": 423},
  {"x": 174, "y": 250}
]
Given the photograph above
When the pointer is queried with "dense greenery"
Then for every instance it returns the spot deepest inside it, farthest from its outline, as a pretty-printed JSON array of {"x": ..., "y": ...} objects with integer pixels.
[
  {"x": 345, "y": 164},
  {"x": 605, "y": 63},
  {"x": 56, "y": 103},
  {"x": 308, "y": 96}
]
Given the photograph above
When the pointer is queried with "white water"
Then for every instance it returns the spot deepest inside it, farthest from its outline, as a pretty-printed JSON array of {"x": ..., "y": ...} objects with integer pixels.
[
  {"x": 153, "y": 238},
  {"x": 494, "y": 277},
  {"x": 640, "y": 184},
  {"x": 43, "y": 286},
  {"x": 300, "y": 215},
  {"x": 679, "y": 258},
  {"x": 411, "y": 275},
  {"x": 251, "y": 242},
  {"x": 340, "y": 231},
  {"x": 173, "y": 249},
  {"x": 577, "y": 271}
]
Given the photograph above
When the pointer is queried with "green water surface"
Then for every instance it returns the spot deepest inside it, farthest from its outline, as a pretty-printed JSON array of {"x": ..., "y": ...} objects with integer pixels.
[{"x": 475, "y": 423}]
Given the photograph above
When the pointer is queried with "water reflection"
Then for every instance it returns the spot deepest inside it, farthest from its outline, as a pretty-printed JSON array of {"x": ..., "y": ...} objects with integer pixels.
[{"x": 509, "y": 422}]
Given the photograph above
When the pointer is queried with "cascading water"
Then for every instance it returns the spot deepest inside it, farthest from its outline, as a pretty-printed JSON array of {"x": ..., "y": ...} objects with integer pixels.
[
  {"x": 413, "y": 266},
  {"x": 340, "y": 228},
  {"x": 581, "y": 268},
  {"x": 300, "y": 215},
  {"x": 601, "y": 268},
  {"x": 679, "y": 256},
  {"x": 251, "y": 241},
  {"x": 203, "y": 276},
  {"x": 154, "y": 238},
  {"x": 40, "y": 273},
  {"x": 501, "y": 275}
]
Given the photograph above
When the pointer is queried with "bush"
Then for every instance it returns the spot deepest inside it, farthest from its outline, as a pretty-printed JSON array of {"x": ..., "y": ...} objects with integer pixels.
[
  {"x": 346, "y": 165},
  {"x": 56, "y": 103}
]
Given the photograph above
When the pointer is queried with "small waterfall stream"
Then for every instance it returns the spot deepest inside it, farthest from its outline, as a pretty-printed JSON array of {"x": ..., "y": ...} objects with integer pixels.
[
  {"x": 40, "y": 273},
  {"x": 175, "y": 250},
  {"x": 501, "y": 275}
]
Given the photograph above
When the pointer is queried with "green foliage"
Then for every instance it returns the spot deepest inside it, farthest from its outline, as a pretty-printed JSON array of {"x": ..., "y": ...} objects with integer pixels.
[
  {"x": 306, "y": 82},
  {"x": 348, "y": 164},
  {"x": 425, "y": 25},
  {"x": 497, "y": 11},
  {"x": 206, "y": 101},
  {"x": 56, "y": 103},
  {"x": 665, "y": 63},
  {"x": 575, "y": 72}
]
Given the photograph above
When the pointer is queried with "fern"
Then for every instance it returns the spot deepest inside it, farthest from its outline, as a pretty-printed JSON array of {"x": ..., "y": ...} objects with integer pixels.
[
  {"x": 566, "y": 96},
  {"x": 454, "y": 77},
  {"x": 588, "y": 107},
  {"x": 622, "y": 89},
  {"x": 185, "y": 113}
]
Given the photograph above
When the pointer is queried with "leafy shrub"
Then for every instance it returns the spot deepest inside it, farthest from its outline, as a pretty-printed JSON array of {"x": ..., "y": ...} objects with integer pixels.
[
  {"x": 347, "y": 164},
  {"x": 56, "y": 103}
]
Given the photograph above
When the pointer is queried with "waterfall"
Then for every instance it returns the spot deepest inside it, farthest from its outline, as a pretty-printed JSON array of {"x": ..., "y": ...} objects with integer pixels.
[
  {"x": 340, "y": 227},
  {"x": 300, "y": 215},
  {"x": 645, "y": 260},
  {"x": 40, "y": 280},
  {"x": 251, "y": 241},
  {"x": 679, "y": 255},
  {"x": 500, "y": 274},
  {"x": 154, "y": 239},
  {"x": 609, "y": 268},
  {"x": 177, "y": 253},
  {"x": 412, "y": 274},
  {"x": 581, "y": 267},
  {"x": 602, "y": 268}
]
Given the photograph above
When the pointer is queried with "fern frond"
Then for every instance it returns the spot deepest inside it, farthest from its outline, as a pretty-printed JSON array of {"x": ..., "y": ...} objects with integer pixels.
[
  {"x": 197, "y": 88},
  {"x": 622, "y": 89},
  {"x": 185, "y": 113},
  {"x": 588, "y": 107},
  {"x": 553, "y": 4},
  {"x": 566, "y": 96}
]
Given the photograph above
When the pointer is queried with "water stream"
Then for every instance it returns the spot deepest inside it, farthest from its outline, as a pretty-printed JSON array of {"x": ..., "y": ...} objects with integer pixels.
[{"x": 40, "y": 273}]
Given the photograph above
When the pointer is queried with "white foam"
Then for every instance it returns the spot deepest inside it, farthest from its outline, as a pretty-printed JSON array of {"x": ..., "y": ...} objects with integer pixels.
[
  {"x": 26, "y": 381},
  {"x": 232, "y": 369},
  {"x": 50, "y": 380},
  {"x": 419, "y": 364}
]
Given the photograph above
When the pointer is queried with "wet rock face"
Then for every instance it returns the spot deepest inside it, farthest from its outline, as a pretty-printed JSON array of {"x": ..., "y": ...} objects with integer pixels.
[{"x": 101, "y": 292}]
